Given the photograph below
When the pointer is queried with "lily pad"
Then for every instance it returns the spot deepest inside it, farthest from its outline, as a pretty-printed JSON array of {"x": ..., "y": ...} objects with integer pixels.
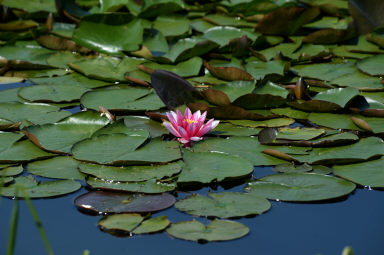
[
  {"x": 154, "y": 128},
  {"x": 278, "y": 122},
  {"x": 36, "y": 189},
  {"x": 336, "y": 121},
  {"x": 370, "y": 173},
  {"x": 131, "y": 173},
  {"x": 64, "y": 167},
  {"x": 224, "y": 205},
  {"x": 300, "y": 187},
  {"x": 261, "y": 69},
  {"x": 37, "y": 113},
  {"x": 152, "y": 225},
  {"x": 245, "y": 147},
  {"x": 171, "y": 25},
  {"x": 228, "y": 129},
  {"x": 109, "y": 33},
  {"x": 72, "y": 129},
  {"x": 113, "y": 202},
  {"x": 122, "y": 149},
  {"x": 205, "y": 167},
  {"x": 64, "y": 93},
  {"x": 121, "y": 222},
  {"x": 217, "y": 230},
  {"x": 11, "y": 171},
  {"x": 372, "y": 65},
  {"x": 149, "y": 187}
]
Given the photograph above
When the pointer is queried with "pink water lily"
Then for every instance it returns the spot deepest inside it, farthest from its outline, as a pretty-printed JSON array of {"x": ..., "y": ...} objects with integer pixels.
[{"x": 189, "y": 127}]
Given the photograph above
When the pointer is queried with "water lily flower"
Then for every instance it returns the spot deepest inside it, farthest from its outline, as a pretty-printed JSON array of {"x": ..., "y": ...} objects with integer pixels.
[{"x": 188, "y": 127}]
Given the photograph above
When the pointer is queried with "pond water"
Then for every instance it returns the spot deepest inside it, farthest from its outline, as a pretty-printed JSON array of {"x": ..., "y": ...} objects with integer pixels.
[{"x": 288, "y": 228}]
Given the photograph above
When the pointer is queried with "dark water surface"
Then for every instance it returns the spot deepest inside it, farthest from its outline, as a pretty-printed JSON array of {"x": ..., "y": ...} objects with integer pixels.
[{"x": 288, "y": 228}]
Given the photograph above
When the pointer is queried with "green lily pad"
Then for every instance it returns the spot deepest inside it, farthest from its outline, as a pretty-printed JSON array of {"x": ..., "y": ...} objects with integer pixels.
[
  {"x": 11, "y": 171},
  {"x": 224, "y": 205},
  {"x": 217, "y": 230},
  {"x": 121, "y": 222},
  {"x": 375, "y": 123},
  {"x": 228, "y": 129},
  {"x": 149, "y": 187},
  {"x": 291, "y": 168},
  {"x": 114, "y": 202},
  {"x": 328, "y": 22},
  {"x": 278, "y": 122},
  {"x": 222, "y": 35},
  {"x": 5, "y": 180},
  {"x": 152, "y": 225},
  {"x": 187, "y": 68},
  {"x": 31, "y": 5},
  {"x": 205, "y": 167},
  {"x": 299, "y": 133},
  {"x": 236, "y": 89},
  {"x": 36, "y": 113},
  {"x": 335, "y": 121},
  {"x": 290, "y": 113},
  {"x": 245, "y": 147},
  {"x": 71, "y": 129},
  {"x": 22, "y": 151},
  {"x": 58, "y": 167},
  {"x": 324, "y": 71},
  {"x": 74, "y": 79},
  {"x": 300, "y": 187},
  {"x": 261, "y": 69},
  {"x": 109, "y": 33},
  {"x": 372, "y": 65},
  {"x": 63, "y": 29},
  {"x": 130, "y": 173},
  {"x": 370, "y": 173},
  {"x": 63, "y": 93},
  {"x": 154, "y": 128},
  {"x": 365, "y": 149},
  {"x": 35, "y": 189},
  {"x": 113, "y": 98},
  {"x": 20, "y": 57},
  {"x": 122, "y": 149},
  {"x": 171, "y": 25},
  {"x": 358, "y": 80}
]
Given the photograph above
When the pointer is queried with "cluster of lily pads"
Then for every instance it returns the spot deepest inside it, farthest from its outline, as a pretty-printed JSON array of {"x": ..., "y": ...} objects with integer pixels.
[{"x": 295, "y": 86}]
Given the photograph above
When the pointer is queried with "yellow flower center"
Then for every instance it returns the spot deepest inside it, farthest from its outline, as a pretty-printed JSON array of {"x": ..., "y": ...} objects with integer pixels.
[{"x": 189, "y": 121}]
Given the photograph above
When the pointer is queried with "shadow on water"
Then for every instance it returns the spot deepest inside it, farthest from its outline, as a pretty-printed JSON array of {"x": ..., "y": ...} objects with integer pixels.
[{"x": 288, "y": 228}]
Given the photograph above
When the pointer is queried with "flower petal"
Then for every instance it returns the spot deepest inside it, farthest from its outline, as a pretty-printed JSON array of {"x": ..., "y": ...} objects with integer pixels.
[
  {"x": 205, "y": 128},
  {"x": 171, "y": 129},
  {"x": 195, "y": 138},
  {"x": 203, "y": 116},
  {"x": 171, "y": 117},
  {"x": 187, "y": 114}
]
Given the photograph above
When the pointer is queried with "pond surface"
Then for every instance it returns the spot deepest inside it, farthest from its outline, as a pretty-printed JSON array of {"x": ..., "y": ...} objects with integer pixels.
[{"x": 288, "y": 228}]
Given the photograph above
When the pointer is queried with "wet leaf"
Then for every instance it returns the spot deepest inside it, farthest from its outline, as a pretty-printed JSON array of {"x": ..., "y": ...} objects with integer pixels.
[
  {"x": 222, "y": 35},
  {"x": 57, "y": 43},
  {"x": 171, "y": 25},
  {"x": 109, "y": 33},
  {"x": 31, "y": 5},
  {"x": 122, "y": 222},
  {"x": 72, "y": 129},
  {"x": 372, "y": 65},
  {"x": 149, "y": 187},
  {"x": 335, "y": 121},
  {"x": 278, "y": 122},
  {"x": 205, "y": 167},
  {"x": 223, "y": 205},
  {"x": 35, "y": 113},
  {"x": 63, "y": 93},
  {"x": 227, "y": 129},
  {"x": 261, "y": 69},
  {"x": 217, "y": 230},
  {"x": 154, "y": 128},
  {"x": 245, "y": 147},
  {"x": 152, "y": 225},
  {"x": 130, "y": 173},
  {"x": 11, "y": 171},
  {"x": 114, "y": 202},
  {"x": 36, "y": 189},
  {"x": 300, "y": 187},
  {"x": 368, "y": 173},
  {"x": 122, "y": 149},
  {"x": 64, "y": 167}
]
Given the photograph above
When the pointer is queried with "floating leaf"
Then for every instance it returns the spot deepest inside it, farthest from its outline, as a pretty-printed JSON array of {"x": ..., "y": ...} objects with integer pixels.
[
  {"x": 372, "y": 65},
  {"x": 35, "y": 113},
  {"x": 154, "y": 128},
  {"x": 63, "y": 93},
  {"x": 58, "y": 167},
  {"x": 246, "y": 147},
  {"x": 31, "y": 5},
  {"x": 300, "y": 187},
  {"x": 212, "y": 166},
  {"x": 227, "y": 129},
  {"x": 11, "y": 171},
  {"x": 113, "y": 202},
  {"x": 217, "y": 230},
  {"x": 149, "y": 187},
  {"x": 229, "y": 73},
  {"x": 336, "y": 121},
  {"x": 109, "y": 33},
  {"x": 223, "y": 205},
  {"x": 121, "y": 149},
  {"x": 278, "y": 122},
  {"x": 152, "y": 225},
  {"x": 370, "y": 173},
  {"x": 36, "y": 189},
  {"x": 122, "y": 222},
  {"x": 72, "y": 129},
  {"x": 261, "y": 69},
  {"x": 171, "y": 25},
  {"x": 131, "y": 173}
]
